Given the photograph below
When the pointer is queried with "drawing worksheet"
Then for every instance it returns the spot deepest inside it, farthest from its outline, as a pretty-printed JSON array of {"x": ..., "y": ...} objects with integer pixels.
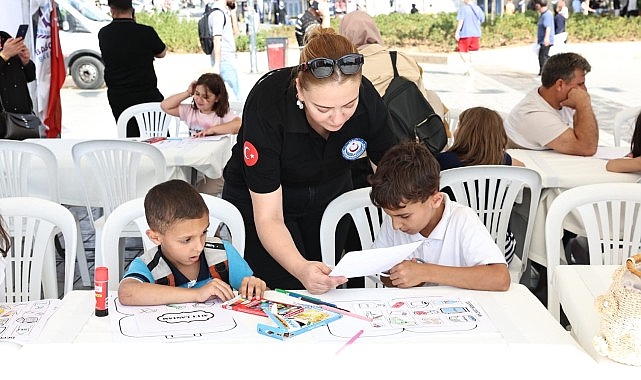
[
  {"x": 411, "y": 315},
  {"x": 175, "y": 322},
  {"x": 23, "y": 321}
]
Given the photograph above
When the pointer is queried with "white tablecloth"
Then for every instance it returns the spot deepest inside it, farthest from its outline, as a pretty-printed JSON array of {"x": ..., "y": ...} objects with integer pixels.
[
  {"x": 559, "y": 172},
  {"x": 577, "y": 287},
  {"x": 206, "y": 156},
  {"x": 527, "y": 337}
]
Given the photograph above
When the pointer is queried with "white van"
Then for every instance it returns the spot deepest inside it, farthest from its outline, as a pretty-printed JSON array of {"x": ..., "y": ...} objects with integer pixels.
[{"x": 79, "y": 22}]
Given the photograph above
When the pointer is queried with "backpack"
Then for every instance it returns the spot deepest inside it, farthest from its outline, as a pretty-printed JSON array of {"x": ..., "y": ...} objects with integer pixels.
[
  {"x": 412, "y": 115},
  {"x": 204, "y": 31}
]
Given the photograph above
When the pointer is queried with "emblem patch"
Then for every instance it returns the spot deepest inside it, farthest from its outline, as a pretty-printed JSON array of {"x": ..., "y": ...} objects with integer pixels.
[
  {"x": 354, "y": 148},
  {"x": 250, "y": 154}
]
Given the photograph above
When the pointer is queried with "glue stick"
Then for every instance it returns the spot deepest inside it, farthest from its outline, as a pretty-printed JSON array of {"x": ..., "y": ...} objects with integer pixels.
[{"x": 101, "y": 280}]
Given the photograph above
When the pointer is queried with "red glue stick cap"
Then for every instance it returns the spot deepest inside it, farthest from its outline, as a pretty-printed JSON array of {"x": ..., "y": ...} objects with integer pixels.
[{"x": 101, "y": 274}]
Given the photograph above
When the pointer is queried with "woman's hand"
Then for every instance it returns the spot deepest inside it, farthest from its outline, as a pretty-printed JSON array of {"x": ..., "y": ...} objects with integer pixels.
[
  {"x": 12, "y": 47},
  {"x": 314, "y": 276}
]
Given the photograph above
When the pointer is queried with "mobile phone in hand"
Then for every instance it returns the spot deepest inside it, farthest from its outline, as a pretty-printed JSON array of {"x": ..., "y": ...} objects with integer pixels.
[{"x": 22, "y": 31}]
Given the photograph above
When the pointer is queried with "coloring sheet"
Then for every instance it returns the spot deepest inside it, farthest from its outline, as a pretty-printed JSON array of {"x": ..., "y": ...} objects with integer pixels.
[
  {"x": 23, "y": 321},
  {"x": 428, "y": 314},
  {"x": 174, "y": 322}
]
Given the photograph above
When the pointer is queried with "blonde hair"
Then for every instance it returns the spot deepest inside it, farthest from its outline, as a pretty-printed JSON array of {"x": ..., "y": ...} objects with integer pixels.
[
  {"x": 480, "y": 137},
  {"x": 325, "y": 43}
]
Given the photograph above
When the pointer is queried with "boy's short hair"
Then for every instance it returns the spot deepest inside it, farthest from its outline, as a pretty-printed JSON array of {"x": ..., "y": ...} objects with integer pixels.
[
  {"x": 407, "y": 173},
  {"x": 171, "y": 202}
]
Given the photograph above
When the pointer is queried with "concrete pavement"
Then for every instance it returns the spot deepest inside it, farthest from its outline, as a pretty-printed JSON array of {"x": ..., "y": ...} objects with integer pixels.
[{"x": 500, "y": 78}]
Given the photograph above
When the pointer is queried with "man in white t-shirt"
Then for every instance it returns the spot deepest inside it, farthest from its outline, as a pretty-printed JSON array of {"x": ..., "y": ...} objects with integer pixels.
[
  {"x": 558, "y": 114},
  {"x": 224, "y": 28},
  {"x": 457, "y": 249}
]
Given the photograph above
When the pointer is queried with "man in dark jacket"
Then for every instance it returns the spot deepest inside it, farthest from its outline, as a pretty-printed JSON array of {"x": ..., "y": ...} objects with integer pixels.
[{"x": 314, "y": 16}]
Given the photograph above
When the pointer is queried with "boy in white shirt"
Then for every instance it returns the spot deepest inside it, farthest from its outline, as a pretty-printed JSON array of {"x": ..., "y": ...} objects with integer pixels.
[{"x": 457, "y": 249}]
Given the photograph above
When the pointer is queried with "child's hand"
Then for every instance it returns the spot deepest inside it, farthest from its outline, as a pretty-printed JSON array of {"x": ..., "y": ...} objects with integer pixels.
[
  {"x": 215, "y": 288},
  {"x": 407, "y": 274},
  {"x": 192, "y": 88},
  {"x": 252, "y": 287}
]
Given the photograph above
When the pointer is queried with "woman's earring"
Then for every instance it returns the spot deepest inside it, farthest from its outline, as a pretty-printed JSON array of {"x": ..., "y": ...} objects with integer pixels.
[{"x": 300, "y": 104}]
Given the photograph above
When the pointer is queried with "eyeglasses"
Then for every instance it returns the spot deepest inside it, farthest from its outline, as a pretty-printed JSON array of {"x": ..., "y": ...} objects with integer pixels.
[{"x": 323, "y": 67}]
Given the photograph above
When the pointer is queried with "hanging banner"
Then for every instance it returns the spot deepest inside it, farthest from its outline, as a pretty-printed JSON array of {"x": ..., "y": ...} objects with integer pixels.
[{"x": 50, "y": 69}]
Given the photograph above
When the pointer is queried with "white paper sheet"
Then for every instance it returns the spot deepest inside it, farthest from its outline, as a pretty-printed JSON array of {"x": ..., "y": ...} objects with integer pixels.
[{"x": 372, "y": 261}]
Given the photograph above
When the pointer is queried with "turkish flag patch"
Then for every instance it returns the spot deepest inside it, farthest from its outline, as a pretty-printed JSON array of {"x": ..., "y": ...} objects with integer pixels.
[{"x": 250, "y": 154}]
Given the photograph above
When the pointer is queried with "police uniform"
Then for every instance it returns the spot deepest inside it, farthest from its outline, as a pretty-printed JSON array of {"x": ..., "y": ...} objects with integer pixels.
[{"x": 277, "y": 147}]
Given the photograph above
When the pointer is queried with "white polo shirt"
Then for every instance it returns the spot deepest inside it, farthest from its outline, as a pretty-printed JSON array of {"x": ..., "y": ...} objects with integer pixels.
[{"x": 459, "y": 239}]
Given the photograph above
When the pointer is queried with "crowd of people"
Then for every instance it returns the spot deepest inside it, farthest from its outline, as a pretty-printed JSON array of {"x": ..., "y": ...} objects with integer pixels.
[{"x": 305, "y": 134}]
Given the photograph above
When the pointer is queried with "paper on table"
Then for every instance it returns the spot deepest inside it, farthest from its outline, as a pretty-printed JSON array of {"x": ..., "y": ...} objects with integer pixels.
[{"x": 372, "y": 261}]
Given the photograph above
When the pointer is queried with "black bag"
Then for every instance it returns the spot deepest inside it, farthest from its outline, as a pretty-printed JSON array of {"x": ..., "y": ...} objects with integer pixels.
[
  {"x": 204, "y": 31},
  {"x": 18, "y": 126},
  {"x": 412, "y": 115}
]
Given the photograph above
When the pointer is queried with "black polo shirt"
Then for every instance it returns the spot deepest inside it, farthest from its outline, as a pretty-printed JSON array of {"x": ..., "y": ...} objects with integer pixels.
[
  {"x": 128, "y": 50},
  {"x": 277, "y": 146}
]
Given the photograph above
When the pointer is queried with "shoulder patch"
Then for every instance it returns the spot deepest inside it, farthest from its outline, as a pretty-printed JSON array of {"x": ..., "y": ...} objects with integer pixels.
[{"x": 250, "y": 154}]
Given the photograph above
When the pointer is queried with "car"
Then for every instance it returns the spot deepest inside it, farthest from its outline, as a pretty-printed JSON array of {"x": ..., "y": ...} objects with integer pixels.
[{"x": 79, "y": 22}]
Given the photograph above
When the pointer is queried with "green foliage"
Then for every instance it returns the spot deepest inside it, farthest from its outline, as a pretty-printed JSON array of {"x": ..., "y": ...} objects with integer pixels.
[{"x": 427, "y": 32}]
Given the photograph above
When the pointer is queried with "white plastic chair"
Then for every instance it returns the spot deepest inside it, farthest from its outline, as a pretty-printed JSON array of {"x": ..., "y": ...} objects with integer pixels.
[
  {"x": 222, "y": 211},
  {"x": 624, "y": 118},
  {"x": 16, "y": 158},
  {"x": 133, "y": 211},
  {"x": 32, "y": 224},
  {"x": 115, "y": 166},
  {"x": 366, "y": 217},
  {"x": 152, "y": 121},
  {"x": 611, "y": 216},
  {"x": 500, "y": 185}
]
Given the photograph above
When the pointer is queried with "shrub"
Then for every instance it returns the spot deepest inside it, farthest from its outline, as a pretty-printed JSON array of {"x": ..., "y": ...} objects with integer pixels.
[{"x": 427, "y": 32}]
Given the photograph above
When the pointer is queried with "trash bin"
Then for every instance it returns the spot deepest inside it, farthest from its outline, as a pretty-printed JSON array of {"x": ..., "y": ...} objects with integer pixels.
[{"x": 276, "y": 52}]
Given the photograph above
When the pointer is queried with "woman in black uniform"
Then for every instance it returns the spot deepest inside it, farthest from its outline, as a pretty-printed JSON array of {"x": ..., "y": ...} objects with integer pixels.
[{"x": 303, "y": 127}]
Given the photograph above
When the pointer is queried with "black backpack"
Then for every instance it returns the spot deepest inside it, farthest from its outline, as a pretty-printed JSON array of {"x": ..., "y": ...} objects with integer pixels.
[
  {"x": 412, "y": 115},
  {"x": 204, "y": 31}
]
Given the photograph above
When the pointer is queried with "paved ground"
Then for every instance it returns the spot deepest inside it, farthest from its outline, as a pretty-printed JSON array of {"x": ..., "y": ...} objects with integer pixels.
[{"x": 500, "y": 78}]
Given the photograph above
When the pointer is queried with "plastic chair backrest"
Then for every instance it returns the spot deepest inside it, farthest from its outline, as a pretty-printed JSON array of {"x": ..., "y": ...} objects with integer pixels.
[
  {"x": 152, "y": 121},
  {"x": 223, "y": 211},
  {"x": 32, "y": 223},
  {"x": 15, "y": 162},
  {"x": 133, "y": 211},
  {"x": 115, "y": 166},
  {"x": 625, "y": 117},
  {"x": 367, "y": 219},
  {"x": 491, "y": 191},
  {"x": 611, "y": 216}
]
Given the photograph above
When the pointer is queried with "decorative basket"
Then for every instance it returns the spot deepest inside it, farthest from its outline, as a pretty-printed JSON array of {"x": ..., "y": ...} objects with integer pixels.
[{"x": 620, "y": 310}]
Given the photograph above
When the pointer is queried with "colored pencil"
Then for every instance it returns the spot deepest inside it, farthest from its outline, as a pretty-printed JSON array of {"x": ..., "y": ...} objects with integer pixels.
[
  {"x": 349, "y": 342},
  {"x": 302, "y": 297},
  {"x": 346, "y": 312}
]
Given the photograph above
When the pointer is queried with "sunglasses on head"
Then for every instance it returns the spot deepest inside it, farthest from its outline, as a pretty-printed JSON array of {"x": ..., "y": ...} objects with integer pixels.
[{"x": 323, "y": 67}]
